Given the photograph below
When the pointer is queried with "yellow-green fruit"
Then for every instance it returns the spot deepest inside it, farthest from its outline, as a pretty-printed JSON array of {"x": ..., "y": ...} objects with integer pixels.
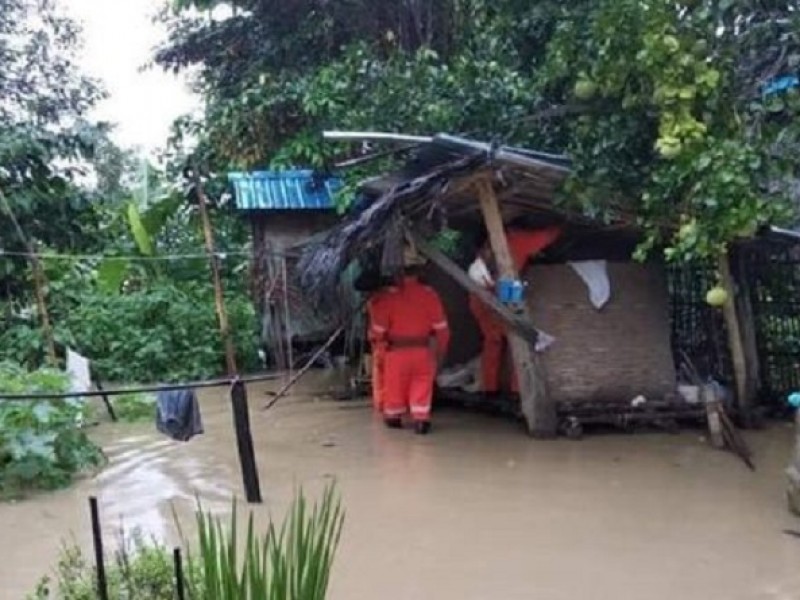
[
  {"x": 669, "y": 150},
  {"x": 717, "y": 296},
  {"x": 585, "y": 89},
  {"x": 672, "y": 43},
  {"x": 687, "y": 229}
]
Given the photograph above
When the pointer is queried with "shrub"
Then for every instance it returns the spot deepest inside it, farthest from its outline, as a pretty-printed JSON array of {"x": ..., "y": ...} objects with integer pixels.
[
  {"x": 159, "y": 333},
  {"x": 290, "y": 562},
  {"x": 162, "y": 331},
  {"x": 42, "y": 443},
  {"x": 141, "y": 569}
]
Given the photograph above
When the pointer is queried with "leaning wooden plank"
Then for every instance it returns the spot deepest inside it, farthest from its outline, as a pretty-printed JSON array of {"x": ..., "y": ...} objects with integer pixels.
[
  {"x": 522, "y": 327},
  {"x": 735, "y": 440},
  {"x": 537, "y": 406}
]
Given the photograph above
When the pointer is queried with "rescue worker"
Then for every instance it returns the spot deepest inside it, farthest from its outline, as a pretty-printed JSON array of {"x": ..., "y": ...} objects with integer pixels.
[
  {"x": 378, "y": 347},
  {"x": 523, "y": 244},
  {"x": 491, "y": 327},
  {"x": 410, "y": 320},
  {"x": 371, "y": 283}
]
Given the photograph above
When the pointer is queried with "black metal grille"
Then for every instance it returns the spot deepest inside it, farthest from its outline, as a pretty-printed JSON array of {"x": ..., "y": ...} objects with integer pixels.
[
  {"x": 773, "y": 277},
  {"x": 698, "y": 330}
]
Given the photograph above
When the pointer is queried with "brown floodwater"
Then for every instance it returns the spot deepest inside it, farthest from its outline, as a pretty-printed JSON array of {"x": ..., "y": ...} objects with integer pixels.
[{"x": 474, "y": 511}]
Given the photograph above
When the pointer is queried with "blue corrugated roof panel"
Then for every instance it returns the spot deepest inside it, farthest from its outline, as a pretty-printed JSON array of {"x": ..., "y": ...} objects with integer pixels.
[{"x": 284, "y": 190}]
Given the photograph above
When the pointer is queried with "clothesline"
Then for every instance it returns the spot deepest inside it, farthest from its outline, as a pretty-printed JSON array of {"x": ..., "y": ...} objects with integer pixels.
[
  {"x": 222, "y": 255},
  {"x": 152, "y": 388}
]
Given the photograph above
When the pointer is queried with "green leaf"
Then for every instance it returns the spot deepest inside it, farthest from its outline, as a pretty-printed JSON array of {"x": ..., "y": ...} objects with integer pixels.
[
  {"x": 111, "y": 274},
  {"x": 140, "y": 233},
  {"x": 43, "y": 411}
]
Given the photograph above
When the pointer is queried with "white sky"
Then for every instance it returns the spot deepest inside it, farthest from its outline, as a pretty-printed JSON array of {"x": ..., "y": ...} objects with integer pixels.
[{"x": 119, "y": 37}]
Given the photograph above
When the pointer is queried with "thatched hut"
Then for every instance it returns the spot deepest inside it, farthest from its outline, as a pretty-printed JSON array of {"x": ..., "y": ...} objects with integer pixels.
[{"x": 609, "y": 356}]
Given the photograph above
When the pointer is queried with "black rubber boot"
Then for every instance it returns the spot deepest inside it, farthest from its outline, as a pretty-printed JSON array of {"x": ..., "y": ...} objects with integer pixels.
[
  {"x": 422, "y": 427},
  {"x": 394, "y": 423}
]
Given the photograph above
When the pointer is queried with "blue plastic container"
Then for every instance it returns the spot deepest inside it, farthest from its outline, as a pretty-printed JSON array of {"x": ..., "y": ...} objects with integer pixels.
[{"x": 510, "y": 291}]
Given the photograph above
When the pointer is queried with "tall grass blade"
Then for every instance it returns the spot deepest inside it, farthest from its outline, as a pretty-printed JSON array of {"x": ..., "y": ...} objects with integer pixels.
[{"x": 292, "y": 561}]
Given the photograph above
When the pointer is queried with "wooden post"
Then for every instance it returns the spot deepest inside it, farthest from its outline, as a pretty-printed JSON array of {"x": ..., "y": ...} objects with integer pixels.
[
  {"x": 244, "y": 442},
  {"x": 539, "y": 411},
  {"x": 744, "y": 395},
  {"x": 99, "y": 555},
  {"x": 39, "y": 284},
  {"x": 219, "y": 299},
  {"x": 746, "y": 315}
]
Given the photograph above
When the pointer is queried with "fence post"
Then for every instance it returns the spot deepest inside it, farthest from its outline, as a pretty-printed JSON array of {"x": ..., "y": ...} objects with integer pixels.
[
  {"x": 177, "y": 561},
  {"x": 97, "y": 537},
  {"x": 244, "y": 442}
]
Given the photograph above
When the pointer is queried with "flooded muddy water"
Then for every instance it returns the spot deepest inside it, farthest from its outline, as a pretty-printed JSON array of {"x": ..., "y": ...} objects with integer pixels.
[{"x": 474, "y": 511}]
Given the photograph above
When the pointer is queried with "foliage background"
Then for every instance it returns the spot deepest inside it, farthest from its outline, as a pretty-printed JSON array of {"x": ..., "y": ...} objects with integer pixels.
[
  {"x": 660, "y": 105},
  {"x": 42, "y": 443}
]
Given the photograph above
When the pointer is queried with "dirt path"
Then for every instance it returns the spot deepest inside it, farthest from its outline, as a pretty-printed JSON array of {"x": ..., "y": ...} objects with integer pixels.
[{"x": 475, "y": 511}]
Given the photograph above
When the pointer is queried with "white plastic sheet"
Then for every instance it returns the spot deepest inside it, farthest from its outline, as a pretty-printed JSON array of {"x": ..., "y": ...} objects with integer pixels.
[
  {"x": 80, "y": 378},
  {"x": 595, "y": 275}
]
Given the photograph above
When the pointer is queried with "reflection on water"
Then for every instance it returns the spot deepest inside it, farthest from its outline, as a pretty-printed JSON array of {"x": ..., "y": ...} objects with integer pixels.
[{"x": 474, "y": 511}]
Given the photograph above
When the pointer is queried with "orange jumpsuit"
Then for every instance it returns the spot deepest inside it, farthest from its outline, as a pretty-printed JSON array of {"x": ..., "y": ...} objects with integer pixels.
[
  {"x": 523, "y": 245},
  {"x": 378, "y": 347},
  {"x": 405, "y": 319}
]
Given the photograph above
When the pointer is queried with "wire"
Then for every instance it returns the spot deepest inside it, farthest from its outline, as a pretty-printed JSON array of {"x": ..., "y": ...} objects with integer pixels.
[
  {"x": 164, "y": 257},
  {"x": 169, "y": 387}
]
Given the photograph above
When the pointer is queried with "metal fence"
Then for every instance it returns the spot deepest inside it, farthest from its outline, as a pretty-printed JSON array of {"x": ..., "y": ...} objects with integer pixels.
[
  {"x": 770, "y": 275},
  {"x": 698, "y": 330}
]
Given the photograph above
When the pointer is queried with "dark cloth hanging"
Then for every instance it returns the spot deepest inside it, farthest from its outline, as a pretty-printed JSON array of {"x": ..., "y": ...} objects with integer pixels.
[{"x": 178, "y": 414}]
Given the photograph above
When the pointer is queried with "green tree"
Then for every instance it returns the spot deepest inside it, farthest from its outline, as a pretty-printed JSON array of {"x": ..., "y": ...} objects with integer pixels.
[
  {"x": 276, "y": 73},
  {"x": 676, "y": 132},
  {"x": 659, "y": 104},
  {"x": 44, "y": 132}
]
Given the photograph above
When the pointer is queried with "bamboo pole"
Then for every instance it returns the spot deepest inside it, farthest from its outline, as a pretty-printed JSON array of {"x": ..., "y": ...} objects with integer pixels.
[
  {"x": 39, "y": 284},
  {"x": 219, "y": 299}
]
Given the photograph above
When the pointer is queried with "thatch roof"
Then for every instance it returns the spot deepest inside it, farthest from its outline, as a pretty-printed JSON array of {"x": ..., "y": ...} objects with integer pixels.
[{"x": 432, "y": 186}]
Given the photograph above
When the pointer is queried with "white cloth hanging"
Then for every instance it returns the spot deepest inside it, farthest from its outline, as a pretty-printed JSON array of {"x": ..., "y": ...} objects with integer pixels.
[
  {"x": 80, "y": 378},
  {"x": 479, "y": 273},
  {"x": 594, "y": 274}
]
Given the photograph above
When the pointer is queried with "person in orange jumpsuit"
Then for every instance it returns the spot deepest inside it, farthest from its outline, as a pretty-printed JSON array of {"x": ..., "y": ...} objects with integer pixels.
[
  {"x": 411, "y": 321},
  {"x": 374, "y": 286},
  {"x": 378, "y": 346},
  {"x": 523, "y": 244}
]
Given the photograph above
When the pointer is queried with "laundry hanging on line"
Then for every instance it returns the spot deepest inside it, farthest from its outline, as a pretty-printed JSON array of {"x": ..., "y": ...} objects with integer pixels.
[
  {"x": 178, "y": 414},
  {"x": 79, "y": 372}
]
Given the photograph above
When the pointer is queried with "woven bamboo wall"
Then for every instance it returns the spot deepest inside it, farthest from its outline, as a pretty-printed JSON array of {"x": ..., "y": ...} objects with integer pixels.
[
  {"x": 614, "y": 354},
  {"x": 611, "y": 355}
]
